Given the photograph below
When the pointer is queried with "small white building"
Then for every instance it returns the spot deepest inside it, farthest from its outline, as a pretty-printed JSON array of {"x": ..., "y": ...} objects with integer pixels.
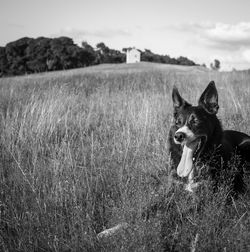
[{"x": 133, "y": 55}]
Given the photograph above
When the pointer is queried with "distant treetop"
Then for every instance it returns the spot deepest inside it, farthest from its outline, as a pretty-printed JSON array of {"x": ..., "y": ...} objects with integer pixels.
[{"x": 34, "y": 55}]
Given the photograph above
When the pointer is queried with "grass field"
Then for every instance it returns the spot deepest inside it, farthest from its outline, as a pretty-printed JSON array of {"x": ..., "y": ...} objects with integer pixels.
[{"x": 80, "y": 151}]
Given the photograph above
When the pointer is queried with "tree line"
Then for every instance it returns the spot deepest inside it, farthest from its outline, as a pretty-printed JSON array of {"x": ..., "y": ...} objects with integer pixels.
[
  {"x": 35, "y": 55},
  {"x": 149, "y": 56}
]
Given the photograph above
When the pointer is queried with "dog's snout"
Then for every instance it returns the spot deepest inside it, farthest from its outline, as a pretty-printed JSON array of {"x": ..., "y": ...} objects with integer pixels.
[{"x": 179, "y": 137}]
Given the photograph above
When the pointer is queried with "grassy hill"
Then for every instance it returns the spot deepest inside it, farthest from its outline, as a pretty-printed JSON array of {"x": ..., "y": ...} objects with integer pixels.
[{"x": 81, "y": 149}]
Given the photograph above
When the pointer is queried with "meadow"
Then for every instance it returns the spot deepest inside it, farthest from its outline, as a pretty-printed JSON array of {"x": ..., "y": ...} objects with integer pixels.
[{"x": 83, "y": 150}]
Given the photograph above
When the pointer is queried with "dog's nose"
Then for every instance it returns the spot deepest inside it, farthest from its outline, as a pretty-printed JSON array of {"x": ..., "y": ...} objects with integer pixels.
[{"x": 179, "y": 137}]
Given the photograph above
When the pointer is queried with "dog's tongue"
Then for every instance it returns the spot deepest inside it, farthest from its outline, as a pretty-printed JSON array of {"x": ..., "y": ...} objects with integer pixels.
[{"x": 186, "y": 164}]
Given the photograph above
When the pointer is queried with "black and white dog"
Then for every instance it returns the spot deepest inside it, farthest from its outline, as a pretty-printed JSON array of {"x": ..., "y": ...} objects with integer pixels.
[
  {"x": 195, "y": 138},
  {"x": 196, "y": 135}
]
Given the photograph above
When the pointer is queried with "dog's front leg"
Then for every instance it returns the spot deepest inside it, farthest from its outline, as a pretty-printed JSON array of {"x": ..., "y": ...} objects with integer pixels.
[{"x": 191, "y": 185}]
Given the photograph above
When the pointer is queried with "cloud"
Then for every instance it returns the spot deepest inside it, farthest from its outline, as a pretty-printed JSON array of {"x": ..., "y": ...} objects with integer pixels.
[
  {"x": 110, "y": 33},
  {"x": 15, "y": 25},
  {"x": 93, "y": 36},
  {"x": 229, "y": 43},
  {"x": 246, "y": 55},
  {"x": 230, "y": 36},
  {"x": 219, "y": 35},
  {"x": 191, "y": 26},
  {"x": 78, "y": 34}
]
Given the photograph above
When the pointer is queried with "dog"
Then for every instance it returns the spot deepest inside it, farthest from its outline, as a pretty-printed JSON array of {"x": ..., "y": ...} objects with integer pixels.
[{"x": 196, "y": 140}]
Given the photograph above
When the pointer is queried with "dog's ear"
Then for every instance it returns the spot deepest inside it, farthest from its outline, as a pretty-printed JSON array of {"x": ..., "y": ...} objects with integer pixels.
[
  {"x": 209, "y": 99},
  {"x": 178, "y": 101}
]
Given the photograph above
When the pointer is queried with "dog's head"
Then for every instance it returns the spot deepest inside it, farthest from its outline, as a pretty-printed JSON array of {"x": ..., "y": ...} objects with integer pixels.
[{"x": 193, "y": 126}]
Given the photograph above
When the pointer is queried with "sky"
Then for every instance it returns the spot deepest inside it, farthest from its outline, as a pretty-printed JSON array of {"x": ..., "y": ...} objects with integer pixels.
[{"x": 202, "y": 30}]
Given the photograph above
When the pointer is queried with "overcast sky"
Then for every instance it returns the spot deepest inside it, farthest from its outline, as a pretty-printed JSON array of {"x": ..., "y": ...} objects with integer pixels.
[{"x": 202, "y": 30}]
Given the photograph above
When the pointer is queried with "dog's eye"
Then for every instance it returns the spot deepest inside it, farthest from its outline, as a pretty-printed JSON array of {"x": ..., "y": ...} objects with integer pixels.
[
  {"x": 193, "y": 119},
  {"x": 178, "y": 121}
]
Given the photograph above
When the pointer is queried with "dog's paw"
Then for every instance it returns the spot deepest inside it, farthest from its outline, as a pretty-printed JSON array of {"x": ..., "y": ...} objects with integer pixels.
[{"x": 190, "y": 187}]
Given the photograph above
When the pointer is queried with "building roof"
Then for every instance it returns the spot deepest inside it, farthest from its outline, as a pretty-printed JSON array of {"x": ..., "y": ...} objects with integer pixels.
[{"x": 133, "y": 48}]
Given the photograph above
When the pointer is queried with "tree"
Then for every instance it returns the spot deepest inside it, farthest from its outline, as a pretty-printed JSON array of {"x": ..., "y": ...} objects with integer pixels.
[
  {"x": 29, "y": 55},
  {"x": 87, "y": 46},
  {"x": 185, "y": 61},
  {"x": 3, "y": 62},
  {"x": 147, "y": 55},
  {"x": 107, "y": 55},
  {"x": 125, "y": 49},
  {"x": 88, "y": 54},
  {"x": 60, "y": 55},
  {"x": 38, "y": 53},
  {"x": 102, "y": 48},
  {"x": 16, "y": 55},
  {"x": 216, "y": 65}
]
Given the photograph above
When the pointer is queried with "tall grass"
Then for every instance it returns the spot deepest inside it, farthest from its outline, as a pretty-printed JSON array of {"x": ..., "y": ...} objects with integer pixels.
[{"x": 80, "y": 151}]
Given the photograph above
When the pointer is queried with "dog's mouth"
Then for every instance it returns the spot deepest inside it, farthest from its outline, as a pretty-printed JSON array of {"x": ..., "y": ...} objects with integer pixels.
[{"x": 191, "y": 152}]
